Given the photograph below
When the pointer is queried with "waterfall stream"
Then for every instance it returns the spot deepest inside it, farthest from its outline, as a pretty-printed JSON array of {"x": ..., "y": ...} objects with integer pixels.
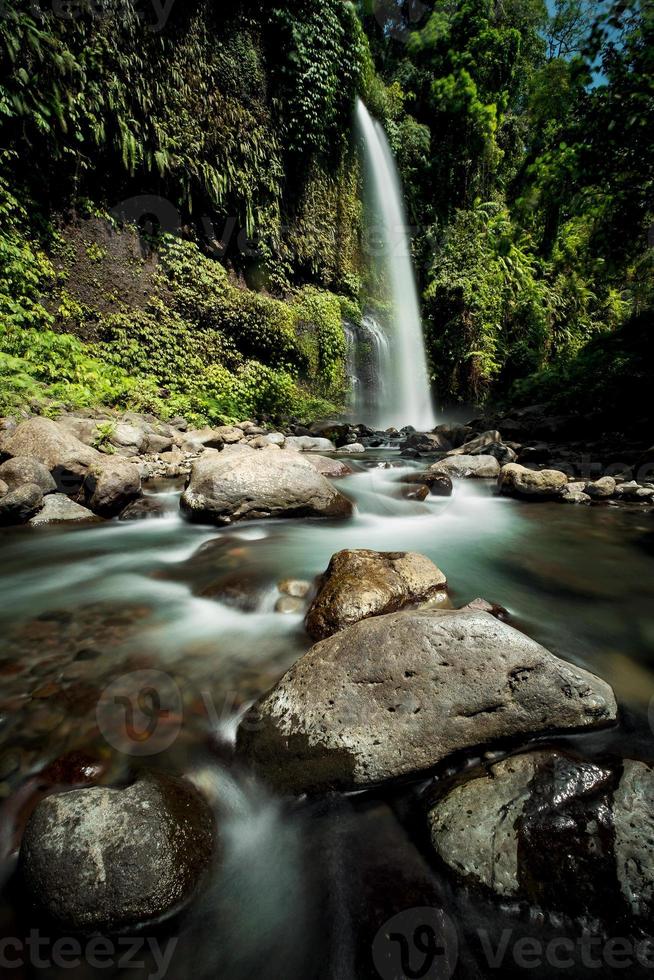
[{"x": 403, "y": 375}]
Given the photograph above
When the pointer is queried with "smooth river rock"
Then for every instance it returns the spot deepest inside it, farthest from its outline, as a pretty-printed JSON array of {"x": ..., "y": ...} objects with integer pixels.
[
  {"x": 602, "y": 489},
  {"x": 476, "y": 445},
  {"x": 359, "y": 584},
  {"x": 519, "y": 481},
  {"x": 102, "y": 859},
  {"x": 309, "y": 444},
  {"x": 466, "y": 467},
  {"x": 19, "y": 470},
  {"x": 17, "y": 506},
  {"x": 110, "y": 484},
  {"x": 249, "y": 486},
  {"x": 102, "y": 482},
  {"x": 58, "y": 508},
  {"x": 63, "y": 455},
  {"x": 332, "y": 468},
  {"x": 562, "y": 833},
  {"x": 398, "y": 694}
]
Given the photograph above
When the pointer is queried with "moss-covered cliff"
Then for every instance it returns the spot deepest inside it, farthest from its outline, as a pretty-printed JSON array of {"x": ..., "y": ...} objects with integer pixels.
[{"x": 191, "y": 210}]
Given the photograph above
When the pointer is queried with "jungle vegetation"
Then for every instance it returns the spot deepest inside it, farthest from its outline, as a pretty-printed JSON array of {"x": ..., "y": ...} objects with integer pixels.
[{"x": 180, "y": 219}]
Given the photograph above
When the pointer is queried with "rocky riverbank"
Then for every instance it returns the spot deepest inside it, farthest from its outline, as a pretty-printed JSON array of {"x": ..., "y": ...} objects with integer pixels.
[
  {"x": 87, "y": 468},
  {"x": 409, "y": 694}
]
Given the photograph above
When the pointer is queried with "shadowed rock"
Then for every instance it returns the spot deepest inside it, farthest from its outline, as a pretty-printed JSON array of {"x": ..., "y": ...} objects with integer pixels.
[
  {"x": 19, "y": 470},
  {"x": 562, "y": 833},
  {"x": 106, "y": 858},
  {"x": 19, "y": 505},
  {"x": 398, "y": 694}
]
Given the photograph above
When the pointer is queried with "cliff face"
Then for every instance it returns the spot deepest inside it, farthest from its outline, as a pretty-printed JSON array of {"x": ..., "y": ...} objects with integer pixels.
[{"x": 212, "y": 138}]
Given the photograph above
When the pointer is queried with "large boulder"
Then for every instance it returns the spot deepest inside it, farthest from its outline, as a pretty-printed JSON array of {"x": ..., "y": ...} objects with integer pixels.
[
  {"x": 360, "y": 584},
  {"x": 398, "y": 694},
  {"x": 111, "y": 483},
  {"x": 86, "y": 430},
  {"x": 439, "y": 483},
  {"x": 128, "y": 439},
  {"x": 466, "y": 467},
  {"x": 309, "y": 444},
  {"x": 63, "y": 455},
  {"x": 337, "y": 432},
  {"x": 602, "y": 489},
  {"x": 519, "y": 481},
  {"x": 58, "y": 508},
  {"x": 17, "y": 506},
  {"x": 452, "y": 435},
  {"x": 249, "y": 486},
  {"x": 19, "y": 470},
  {"x": 102, "y": 859},
  {"x": 474, "y": 446},
  {"x": 562, "y": 833},
  {"x": 424, "y": 442},
  {"x": 352, "y": 449}
]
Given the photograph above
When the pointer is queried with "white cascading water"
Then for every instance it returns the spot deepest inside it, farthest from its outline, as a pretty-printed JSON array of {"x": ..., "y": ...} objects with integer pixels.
[
  {"x": 368, "y": 368},
  {"x": 407, "y": 397}
]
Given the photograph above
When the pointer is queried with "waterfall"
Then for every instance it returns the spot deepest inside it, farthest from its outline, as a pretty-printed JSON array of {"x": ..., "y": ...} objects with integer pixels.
[
  {"x": 368, "y": 368},
  {"x": 404, "y": 378}
]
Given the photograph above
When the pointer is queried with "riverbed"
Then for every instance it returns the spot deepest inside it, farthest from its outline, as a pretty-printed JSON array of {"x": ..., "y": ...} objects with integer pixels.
[{"x": 303, "y": 887}]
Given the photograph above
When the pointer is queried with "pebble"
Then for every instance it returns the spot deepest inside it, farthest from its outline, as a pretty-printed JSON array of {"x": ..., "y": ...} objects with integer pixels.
[
  {"x": 295, "y": 587},
  {"x": 289, "y": 604}
]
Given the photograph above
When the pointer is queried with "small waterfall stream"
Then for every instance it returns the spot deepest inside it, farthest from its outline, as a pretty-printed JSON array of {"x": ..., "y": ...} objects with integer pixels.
[
  {"x": 404, "y": 378},
  {"x": 368, "y": 368}
]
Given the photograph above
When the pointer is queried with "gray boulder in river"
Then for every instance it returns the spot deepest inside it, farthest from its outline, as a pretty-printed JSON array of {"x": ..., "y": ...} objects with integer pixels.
[
  {"x": 104, "y": 483},
  {"x": 106, "y": 858},
  {"x": 20, "y": 470},
  {"x": 398, "y": 694},
  {"x": 564, "y": 834},
  {"x": 361, "y": 583},
  {"x": 225, "y": 488},
  {"x": 467, "y": 467},
  {"x": 519, "y": 481}
]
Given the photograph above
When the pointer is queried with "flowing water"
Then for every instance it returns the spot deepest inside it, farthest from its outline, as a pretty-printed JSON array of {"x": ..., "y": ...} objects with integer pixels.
[
  {"x": 301, "y": 888},
  {"x": 407, "y": 396},
  {"x": 369, "y": 367}
]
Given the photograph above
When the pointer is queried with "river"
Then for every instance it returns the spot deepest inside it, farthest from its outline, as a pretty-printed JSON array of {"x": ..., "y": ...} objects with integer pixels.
[{"x": 303, "y": 886}]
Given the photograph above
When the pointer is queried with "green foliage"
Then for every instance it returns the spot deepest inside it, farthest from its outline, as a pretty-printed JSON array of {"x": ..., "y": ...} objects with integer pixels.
[
  {"x": 327, "y": 55},
  {"x": 319, "y": 320},
  {"x": 611, "y": 376},
  {"x": 54, "y": 370},
  {"x": 104, "y": 433},
  {"x": 501, "y": 103}
]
